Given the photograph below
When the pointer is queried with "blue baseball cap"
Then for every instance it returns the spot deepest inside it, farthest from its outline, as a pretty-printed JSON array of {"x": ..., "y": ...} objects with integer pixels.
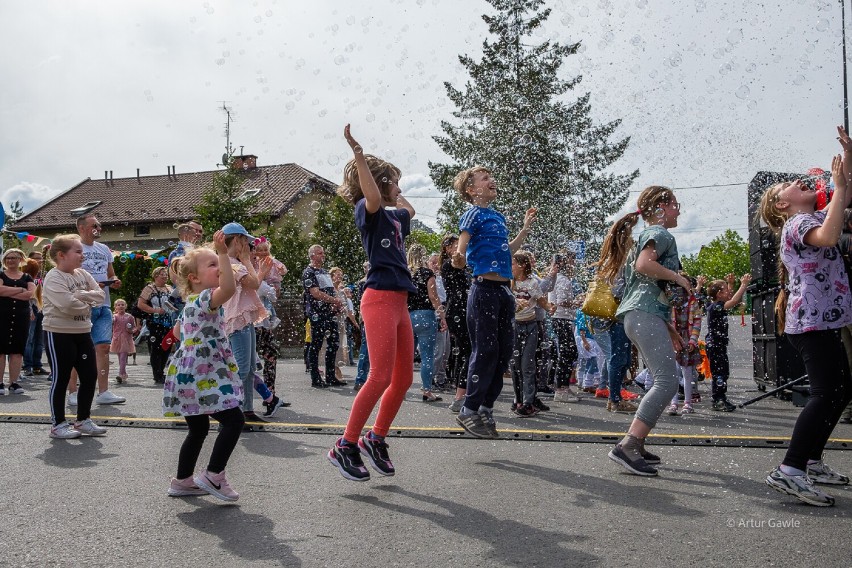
[{"x": 236, "y": 229}]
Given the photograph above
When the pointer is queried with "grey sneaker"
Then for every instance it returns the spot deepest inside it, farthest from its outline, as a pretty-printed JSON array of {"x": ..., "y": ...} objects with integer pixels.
[
  {"x": 819, "y": 472},
  {"x": 89, "y": 428},
  {"x": 456, "y": 405},
  {"x": 634, "y": 464},
  {"x": 799, "y": 486},
  {"x": 490, "y": 423},
  {"x": 473, "y": 425},
  {"x": 64, "y": 431},
  {"x": 565, "y": 395}
]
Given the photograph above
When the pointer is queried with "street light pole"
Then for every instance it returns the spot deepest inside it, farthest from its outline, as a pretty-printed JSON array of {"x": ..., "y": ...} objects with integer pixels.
[{"x": 845, "y": 90}]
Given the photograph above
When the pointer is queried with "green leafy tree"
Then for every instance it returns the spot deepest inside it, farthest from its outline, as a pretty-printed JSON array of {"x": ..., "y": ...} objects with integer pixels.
[
  {"x": 290, "y": 246},
  {"x": 223, "y": 202},
  {"x": 513, "y": 116},
  {"x": 15, "y": 212},
  {"x": 726, "y": 254},
  {"x": 335, "y": 230},
  {"x": 134, "y": 274},
  {"x": 430, "y": 240}
]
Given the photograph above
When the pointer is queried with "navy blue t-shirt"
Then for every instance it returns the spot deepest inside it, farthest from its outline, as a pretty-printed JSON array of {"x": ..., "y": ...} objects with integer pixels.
[{"x": 383, "y": 236}]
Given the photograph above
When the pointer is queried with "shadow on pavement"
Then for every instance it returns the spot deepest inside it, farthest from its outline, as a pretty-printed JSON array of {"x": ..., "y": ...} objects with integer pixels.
[
  {"x": 73, "y": 454},
  {"x": 510, "y": 540},
  {"x": 246, "y": 536},
  {"x": 274, "y": 446},
  {"x": 589, "y": 490}
]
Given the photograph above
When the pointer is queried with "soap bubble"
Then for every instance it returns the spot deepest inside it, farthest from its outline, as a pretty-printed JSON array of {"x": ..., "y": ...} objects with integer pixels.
[
  {"x": 473, "y": 378},
  {"x": 735, "y": 36},
  {"x": 386, "y": 243},
  {"x": 742, "y": 92}
]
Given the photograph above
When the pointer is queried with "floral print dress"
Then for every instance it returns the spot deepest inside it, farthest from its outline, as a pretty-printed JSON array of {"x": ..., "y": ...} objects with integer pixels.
[{"x": 202, "y": 375}]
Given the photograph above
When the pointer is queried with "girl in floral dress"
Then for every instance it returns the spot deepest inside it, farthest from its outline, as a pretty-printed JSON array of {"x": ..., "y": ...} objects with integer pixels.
[
  {"x": 202, "y": 379},
  {"x": 123, "y": 328}
]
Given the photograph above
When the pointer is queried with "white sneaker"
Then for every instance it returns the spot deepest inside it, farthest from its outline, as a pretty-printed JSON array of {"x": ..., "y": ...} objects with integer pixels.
[
  {"x": 89, "y": 428},
  {"x": 72, "y": 399},
  {"x": 565, "y": 395},
  {"x": 107, "y": 397},
  {"x": 64, "y": 431}
]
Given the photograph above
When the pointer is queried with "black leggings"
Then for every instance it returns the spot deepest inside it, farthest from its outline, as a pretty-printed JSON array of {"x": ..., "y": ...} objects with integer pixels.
[
  {"x": 68, "y": 351},
  {"x": 457, "y": 364},
  {"x": 831, "y": 390},
  {"x": 564, "y": 329},
  {"x": 232, "y": 421},
  {"x": 158, "y": 356}
]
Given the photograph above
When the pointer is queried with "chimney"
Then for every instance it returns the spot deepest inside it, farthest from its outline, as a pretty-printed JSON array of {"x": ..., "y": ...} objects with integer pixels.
[
  {"x": 112, "y": 183},
  {"x": 106, "y": 177},
  {"x": 245, "y": 162},
  {"x": 174, "y": 173},
  {"x": 169, "y": 172},
  {"x": 139, "y": 179}
]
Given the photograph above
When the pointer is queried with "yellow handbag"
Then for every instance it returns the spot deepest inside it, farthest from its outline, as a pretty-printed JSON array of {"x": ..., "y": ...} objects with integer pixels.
[{"x": 599, "y": 302}]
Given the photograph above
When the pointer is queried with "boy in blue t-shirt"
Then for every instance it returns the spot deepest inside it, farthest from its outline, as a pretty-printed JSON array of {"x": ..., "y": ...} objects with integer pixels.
[{"x": 484, "y": 244}]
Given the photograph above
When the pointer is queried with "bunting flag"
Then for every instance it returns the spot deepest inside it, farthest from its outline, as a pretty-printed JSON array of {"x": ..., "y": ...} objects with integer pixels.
[{"x": 37, "y": 241}]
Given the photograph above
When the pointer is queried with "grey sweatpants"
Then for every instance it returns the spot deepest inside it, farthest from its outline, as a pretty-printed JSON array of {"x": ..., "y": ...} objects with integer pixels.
[{"x": 650, "y": 335}]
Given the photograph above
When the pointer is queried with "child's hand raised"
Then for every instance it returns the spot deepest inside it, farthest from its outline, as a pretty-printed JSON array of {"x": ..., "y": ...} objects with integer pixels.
[
  {"x": 529, "y": 217},
  {"x": 219, "y": 242},
  {"x": 837, "y": 174},
  {"x": 844, "y": 139},
  {"x": 352, "y": 143}
]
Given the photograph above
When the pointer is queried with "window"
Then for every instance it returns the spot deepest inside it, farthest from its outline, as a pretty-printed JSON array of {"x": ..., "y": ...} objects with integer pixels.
[
  {"x": 85, "y": 208},
  {"x": 249, "y": 193},
  {"x": 141, "y": 230}
]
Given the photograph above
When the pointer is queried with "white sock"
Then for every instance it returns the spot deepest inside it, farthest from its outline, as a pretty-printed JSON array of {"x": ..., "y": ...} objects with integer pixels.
[{"x": 788, "y": 470}]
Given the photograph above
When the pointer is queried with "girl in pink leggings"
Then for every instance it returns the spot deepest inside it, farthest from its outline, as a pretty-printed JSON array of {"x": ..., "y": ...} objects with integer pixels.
[{"x": 370, "y": 184}]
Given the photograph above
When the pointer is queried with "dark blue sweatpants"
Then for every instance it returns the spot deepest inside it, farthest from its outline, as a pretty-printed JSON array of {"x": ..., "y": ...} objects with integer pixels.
[{"x": 490, "y": 313}]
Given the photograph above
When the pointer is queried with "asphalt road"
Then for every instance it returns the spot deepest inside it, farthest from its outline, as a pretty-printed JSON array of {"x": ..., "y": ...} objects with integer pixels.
[{"x": 526, "y": 501}]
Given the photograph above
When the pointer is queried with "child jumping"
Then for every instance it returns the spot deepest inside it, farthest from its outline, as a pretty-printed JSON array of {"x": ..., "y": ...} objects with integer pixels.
[
  {"x": 69, "y": 295},
  {"x": 371, "y": 185},
  {"x": 484, "y": 244},
  {"x": 123, "y": 329},
  {"x": 813, "y": 305},
  {"x": 203, "y": 378},
  {"x": 722, "y": 299}
]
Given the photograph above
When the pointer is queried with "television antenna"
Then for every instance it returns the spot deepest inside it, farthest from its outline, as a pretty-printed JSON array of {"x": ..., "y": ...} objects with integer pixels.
[{"x": 228, "y": 119}]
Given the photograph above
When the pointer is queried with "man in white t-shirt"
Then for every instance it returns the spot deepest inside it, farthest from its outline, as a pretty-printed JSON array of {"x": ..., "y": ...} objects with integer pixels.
[{"x": 97, "y": 261}]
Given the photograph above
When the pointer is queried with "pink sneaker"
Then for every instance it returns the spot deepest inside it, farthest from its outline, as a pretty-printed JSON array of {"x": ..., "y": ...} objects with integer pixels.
[
  {"x": 184, "y": 488},
  {"x": 216, "y": 484}
]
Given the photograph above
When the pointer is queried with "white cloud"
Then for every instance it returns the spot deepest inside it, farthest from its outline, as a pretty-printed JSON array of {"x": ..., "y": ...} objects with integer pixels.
[
  {"x": 426, "y": 199},
  {"x": 30, "y": 194}
]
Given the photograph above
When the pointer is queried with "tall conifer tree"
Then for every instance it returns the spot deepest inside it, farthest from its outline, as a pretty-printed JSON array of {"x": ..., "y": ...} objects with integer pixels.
[{"x": 514, "y": 116}]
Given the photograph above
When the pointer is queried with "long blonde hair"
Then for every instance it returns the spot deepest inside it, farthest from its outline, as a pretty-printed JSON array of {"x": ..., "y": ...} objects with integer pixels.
[
  {"x": 619, "y": 239},
  {"x": 775, "y": 218}
]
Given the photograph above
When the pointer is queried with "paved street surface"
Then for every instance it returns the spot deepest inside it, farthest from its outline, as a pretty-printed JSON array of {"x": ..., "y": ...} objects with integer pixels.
[{"x": 545, "y": 496}]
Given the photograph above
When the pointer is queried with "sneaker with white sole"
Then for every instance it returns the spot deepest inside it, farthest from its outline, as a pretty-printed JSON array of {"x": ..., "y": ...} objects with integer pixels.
[
  {"x": 64, "y": 431},
  {"x": 107, "y": 397},
  {"x": 565, "y": 395},
  {"x": 15, "y": 388},
  {"x": 185, "y": 488},
  {"x": 799, "y": 486},
  {"x": 376, "y": 452},
  {"x": 216, "y": 484},
  {"x": 272, "y": 406},
  {"x": 347, "y": 459},
  {"x": 72, "y": 399},
  {"x": 819, "y": 472},
  {"x": 473, "y": 425},
  {"x": 89, "y": 428},
  {"x": 456, "y": 404}
]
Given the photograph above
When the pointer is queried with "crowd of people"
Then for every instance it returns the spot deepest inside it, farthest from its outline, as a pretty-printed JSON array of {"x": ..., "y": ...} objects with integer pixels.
[{"x": 474, "y": 312}]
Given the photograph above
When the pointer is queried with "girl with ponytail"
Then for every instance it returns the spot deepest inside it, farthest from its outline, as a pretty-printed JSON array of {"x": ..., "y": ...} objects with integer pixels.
[
  {"x": 813, "y": 306},
  {"x": 650, "y": 266}
]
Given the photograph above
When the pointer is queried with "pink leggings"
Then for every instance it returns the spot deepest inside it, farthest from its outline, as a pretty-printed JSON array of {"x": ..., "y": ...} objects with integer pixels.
[
  {"x": 122, "y": 364},
  {"x": 390, "y": 343}
]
